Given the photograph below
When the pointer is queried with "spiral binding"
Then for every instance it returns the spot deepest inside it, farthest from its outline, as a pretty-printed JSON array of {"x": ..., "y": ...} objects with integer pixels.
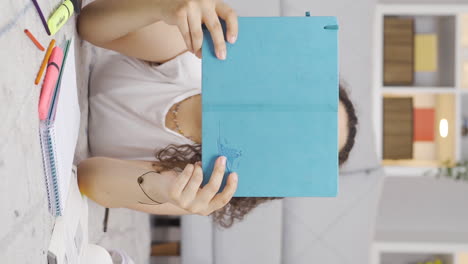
[
  {"x": 53, "y": 163},
  {"x": 45, "y": 163},
  {"x": 53, "y": 193}
]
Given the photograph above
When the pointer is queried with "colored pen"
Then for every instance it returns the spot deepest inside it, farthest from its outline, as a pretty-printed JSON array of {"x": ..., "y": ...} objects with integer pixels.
[
  {"x": 34, "y": 40},
  {"x": 60, "y": 16},
  {"x": 55, "y": 94},
  {"x": 42, "y": 17},
  {"x": 50, "y": 80},
  {"x": 44, "y": 62}
]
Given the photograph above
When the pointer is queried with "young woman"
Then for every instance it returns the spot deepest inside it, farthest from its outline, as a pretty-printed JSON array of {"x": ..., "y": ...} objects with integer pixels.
[{"x": 146, "y": 100}]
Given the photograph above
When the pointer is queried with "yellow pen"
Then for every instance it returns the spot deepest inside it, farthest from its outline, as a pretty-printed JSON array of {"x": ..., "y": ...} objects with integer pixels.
[{"x": 60, "y": 16}]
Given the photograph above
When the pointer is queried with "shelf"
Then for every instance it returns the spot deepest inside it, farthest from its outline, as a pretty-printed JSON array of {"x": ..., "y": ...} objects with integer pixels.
[
  {"x": 464, "y": 115},
  {"x": 406, "y": 258},
  {"x": 410, "y": 129},
  {"x": 399, "y": 66},
  {"x": 409, "y": 253},
  {"x": 418, "y": 9},
  {"x": 400, "y": 171},
  {"x": 423, "y": 237},
  {"x": 447, "y": 22},
  {"x": 420, "y": 226},
  {"x": 417, "y": 90}
]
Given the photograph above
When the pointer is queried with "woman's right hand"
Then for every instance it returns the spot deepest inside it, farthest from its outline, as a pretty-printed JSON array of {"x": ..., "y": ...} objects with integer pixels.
[
  {"x": 186, "y": 193},
  {"x": 188, "y": 16}
]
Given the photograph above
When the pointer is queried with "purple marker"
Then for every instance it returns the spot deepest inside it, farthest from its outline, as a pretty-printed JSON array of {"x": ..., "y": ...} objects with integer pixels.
[{"x": 42, "y": 17}]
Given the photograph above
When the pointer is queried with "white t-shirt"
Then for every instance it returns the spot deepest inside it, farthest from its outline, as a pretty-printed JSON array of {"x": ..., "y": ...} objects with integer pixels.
[{"x": 129, "y": 100}]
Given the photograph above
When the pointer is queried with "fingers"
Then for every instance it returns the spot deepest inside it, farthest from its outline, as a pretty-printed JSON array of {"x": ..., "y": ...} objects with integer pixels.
[
  {"x": 222, "y": 199},
  {"x": 230, "y": 17},
  {"x": 196, "y": 33},
  {"x": 211, "y": 21},
  {"x": 211, "y": 189},
  {"x": 190, "y": 192},
  {"x": 184, "y": 29},
  {"x": 188, "y": 195},
  {"x": 182, "y": 181}
]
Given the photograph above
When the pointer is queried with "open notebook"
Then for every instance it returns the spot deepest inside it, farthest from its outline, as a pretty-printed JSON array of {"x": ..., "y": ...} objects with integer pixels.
[
  {"x": 59, "y": 134},
  {"x": 271, "y": 107}
]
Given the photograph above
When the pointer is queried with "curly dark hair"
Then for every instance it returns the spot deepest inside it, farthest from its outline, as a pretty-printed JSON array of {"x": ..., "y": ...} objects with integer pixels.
[{"x": 178, "y": 156}]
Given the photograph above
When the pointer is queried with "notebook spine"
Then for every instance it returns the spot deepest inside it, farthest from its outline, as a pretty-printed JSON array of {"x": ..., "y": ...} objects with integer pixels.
[{"x": 54, "y": 174}]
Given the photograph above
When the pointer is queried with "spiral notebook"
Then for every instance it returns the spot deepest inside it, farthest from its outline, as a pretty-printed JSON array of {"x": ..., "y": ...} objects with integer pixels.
[
  {"x": 59, "y": 134},
  {"x": 271, "y": 107},
  {"x": 70, "y": 235}
]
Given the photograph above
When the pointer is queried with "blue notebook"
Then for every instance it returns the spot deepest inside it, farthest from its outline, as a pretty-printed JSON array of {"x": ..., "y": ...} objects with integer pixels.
[{"x": 271, "y": 107}]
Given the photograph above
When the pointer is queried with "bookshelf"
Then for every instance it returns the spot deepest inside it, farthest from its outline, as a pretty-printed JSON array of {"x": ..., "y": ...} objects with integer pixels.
[
  {"x": 444, "y": 89},
  {"x": 437, "y": 86}
]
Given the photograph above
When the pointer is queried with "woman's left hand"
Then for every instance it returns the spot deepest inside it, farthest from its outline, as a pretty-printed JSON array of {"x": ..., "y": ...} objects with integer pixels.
[
  {"x": 187, "y": 194},
  {"x": 188, "y": 16}
]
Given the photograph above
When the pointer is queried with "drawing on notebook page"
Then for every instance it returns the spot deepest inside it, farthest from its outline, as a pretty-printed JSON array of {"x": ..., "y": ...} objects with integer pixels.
[{"x": 231, "y": 153}]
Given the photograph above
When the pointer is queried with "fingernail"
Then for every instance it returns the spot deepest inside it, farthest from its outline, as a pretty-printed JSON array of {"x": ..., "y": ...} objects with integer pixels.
[
  {"x": 222, "y": 54},
  {"x": 198, "y": 163},
  {"x": 222, "y": 160},
  {"x": 235, "y": 177},
  {"x": 232, "y": 39}
]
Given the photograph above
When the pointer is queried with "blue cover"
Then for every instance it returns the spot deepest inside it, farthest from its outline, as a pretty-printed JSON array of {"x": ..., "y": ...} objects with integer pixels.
[{"x": 271, "y": 107}]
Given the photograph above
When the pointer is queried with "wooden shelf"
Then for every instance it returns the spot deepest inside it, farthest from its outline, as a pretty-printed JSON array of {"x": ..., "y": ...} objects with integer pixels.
[
  {"x": 417, "y": 89},
  {"x": 401, "y": 247},
  {"x": 445, "y": 21},
  {"x": 408, "y": 252},
  {"x": 451, "y": 253}
]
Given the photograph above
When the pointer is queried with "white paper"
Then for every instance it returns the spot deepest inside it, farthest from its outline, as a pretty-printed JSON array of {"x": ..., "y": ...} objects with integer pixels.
[
  {"x": 70, "y": 235},
  {"x": 66, "y": 125}
]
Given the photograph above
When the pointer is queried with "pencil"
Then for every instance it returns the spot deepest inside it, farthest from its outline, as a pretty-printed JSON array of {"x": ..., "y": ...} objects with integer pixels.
[
  {"x": 42, "y": 17},
  {"x": 34, "y": 40},
  {"x": 106, "y": 220},
  {"x": 44, "y": 62}
]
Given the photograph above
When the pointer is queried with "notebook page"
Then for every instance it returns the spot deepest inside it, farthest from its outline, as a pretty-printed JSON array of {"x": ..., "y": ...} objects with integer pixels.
[{"x": 67, "y": 123}]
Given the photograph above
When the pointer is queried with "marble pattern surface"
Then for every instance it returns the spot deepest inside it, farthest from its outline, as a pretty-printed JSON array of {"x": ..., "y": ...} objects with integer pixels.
[{"x": 26, "y": 224}]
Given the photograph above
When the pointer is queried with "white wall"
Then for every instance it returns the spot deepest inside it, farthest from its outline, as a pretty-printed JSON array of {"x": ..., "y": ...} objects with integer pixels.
[
  {"x": 255, "y": 8},
  {"x": 423, "y": 207}
]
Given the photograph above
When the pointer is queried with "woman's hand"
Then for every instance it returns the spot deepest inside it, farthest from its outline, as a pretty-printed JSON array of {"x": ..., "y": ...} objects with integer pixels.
[
  {"x": 188, "y": 16},
  {"x": 187, "y": 194}
]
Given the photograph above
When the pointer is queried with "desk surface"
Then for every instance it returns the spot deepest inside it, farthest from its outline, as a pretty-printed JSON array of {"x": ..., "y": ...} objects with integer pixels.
[{"x": 26, "y": 225}]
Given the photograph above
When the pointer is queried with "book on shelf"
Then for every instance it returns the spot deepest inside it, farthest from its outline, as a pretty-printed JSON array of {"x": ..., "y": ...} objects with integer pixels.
[
  {"x": 398, "y": 51},
  {"x": 426, "y": 52}
]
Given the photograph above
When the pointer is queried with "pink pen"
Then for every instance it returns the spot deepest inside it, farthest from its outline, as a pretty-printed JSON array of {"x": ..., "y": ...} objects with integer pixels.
[{"x": 50, "y": 80}]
